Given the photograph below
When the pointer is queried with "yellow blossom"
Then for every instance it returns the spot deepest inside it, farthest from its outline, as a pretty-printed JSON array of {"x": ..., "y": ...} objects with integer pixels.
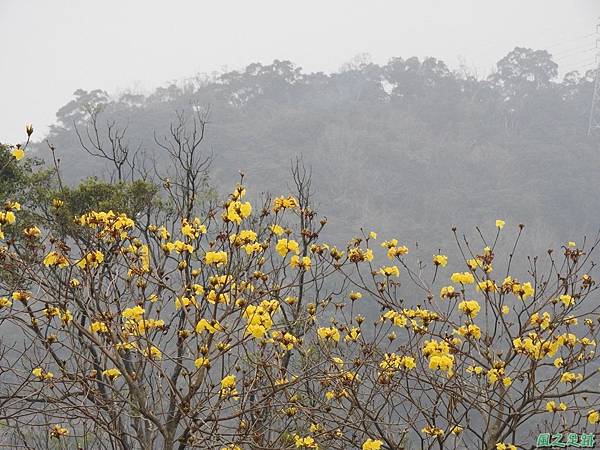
[
  {"x": 303, "y": 263},
  {"x": 356, "y": 255},
  {"x": 56, "y": 431},
  {"x": 284, "y": 203},
  {"x": 31, "y": 232},
  {"x": 432, "y": 431},
  {"x": 390, "y": 271},
  {"x": 503, "y": 446},
  {"x": 462, "y": 278},
  {"x": 17, "y": 152},
  {"x": 329, "y": 333},
  {"x": 440, "y": 260},
  {"x": 566, "y": 300},
  {"x": 56, "y": 259},
  {"x": 112, "y": 373},
  {"x": 372, "y": 444},
  {"x": 215, "y": 258},
  {"x": 470, "y": 308},
  {"x": 135, "y": 313},
  {"x": 98, "y": 327},
  {"x": 205, "y": 325},
  {"x": 42, "y": 374},
  {"x": 228, "y": 386},
  {"x": 277, "y": 230},
  {"x": 471, "y": 330},
  {"x": 285, "y": 246},
  {"x": 91, "y": 260},
  {"x": 237, "y": 211},
  {"x": 571, "y": 377}
]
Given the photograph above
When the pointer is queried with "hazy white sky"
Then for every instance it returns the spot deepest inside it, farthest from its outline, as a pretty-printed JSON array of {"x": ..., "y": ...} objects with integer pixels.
[{"x": 49, "y": 49}]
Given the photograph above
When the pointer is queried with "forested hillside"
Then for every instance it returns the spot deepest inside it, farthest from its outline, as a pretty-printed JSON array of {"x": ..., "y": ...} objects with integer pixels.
[{"x": 409, "y": 147}]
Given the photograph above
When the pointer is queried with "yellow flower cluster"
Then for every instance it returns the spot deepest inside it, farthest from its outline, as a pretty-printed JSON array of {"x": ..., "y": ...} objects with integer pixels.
[
  {"x": 285, "y": 246},
  {"x": 228, "y": 387},
  {"x": 462, "y": 278},
  {"x": 303, "y": 263},
  {"x": 357, "y": 255},
  {"x": 192, "y": 230},
  {"x": 211, "y": 327},
  {"x": 498, "y": 373},
  {"x": 55, "y": 259},
  {"x": 439, "y": 356},
  {"x": 487, "y": 286},
  {"x": 372, "y": 444},
  {"x": 470, "y": 331},
  {"x": 215, "y": 258},
  {"x": 448, "y": 292},
  {"x": 280, "y": 203},
  {"x": 521, "y": 290},
  {"x": 305, "y": 442},
  {"x": 286, "y": 340},
  {"x": 42, "y": 374},
  {"x": 470, "y": 308},
  {"x": 389, "y": 271},
  {"x": 98, "y": 328},
  {"x": 503, "y": 446},
  {"x": 136, "y": 313},
  {"x": 179, "y": 246},
  {"x": 7, "y": 217},
  {"x": 571, "y": 377},
  {"x": 259, "y": 318},
  {"x": 109, "y": 224},
  {"x": 537, "y": 348},
  {"x": 112, "y": 374},
  {"x": 417, "y": 318},
  {"x": 242, "y": 238},
  {"x": 237, "y": 211},
  {"x": 21, "y": 296},
  {"x": 392, "y": 362},
  {"x": 432, "y": 431},
  {"x": 353, "y": 334},
  {"x": 329, "y": 334},
  {"x": 393, "y": 250},
  {"x": 140, "y": 326},
  {"x": 56, "y": 432},
  {"x": 552, "y": 407},
  {"x": 91, "y": 260},
  {"x": 31, "y": 232},
  {"x": 440, "y": 260},
  {"x": 541, "y": 321},
  {"x": 566, "y": 300}
]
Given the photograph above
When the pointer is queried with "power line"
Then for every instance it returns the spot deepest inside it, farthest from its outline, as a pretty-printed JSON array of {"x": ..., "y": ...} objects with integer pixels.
[
  {"x": 573, "y": 53},
  {"x": 568, "y": 41}
]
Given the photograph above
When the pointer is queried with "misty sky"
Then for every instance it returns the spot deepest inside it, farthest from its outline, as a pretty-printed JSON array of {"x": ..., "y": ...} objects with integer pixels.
[{"x": 51, "y": 48}]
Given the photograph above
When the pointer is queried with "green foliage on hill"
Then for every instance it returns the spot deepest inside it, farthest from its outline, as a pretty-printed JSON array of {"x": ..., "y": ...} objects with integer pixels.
[{"x": 409, "y": 146}]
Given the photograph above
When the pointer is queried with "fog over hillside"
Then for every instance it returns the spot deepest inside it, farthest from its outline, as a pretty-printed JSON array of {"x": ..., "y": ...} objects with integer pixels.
[{"x": 409, "y": 147}]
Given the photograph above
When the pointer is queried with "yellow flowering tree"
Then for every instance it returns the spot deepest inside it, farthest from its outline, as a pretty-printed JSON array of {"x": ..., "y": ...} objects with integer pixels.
[{"x": 233, "y": 325}]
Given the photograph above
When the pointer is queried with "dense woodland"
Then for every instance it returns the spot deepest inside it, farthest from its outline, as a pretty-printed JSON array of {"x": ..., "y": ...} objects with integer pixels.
[{"x": 410, "y": 146}]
